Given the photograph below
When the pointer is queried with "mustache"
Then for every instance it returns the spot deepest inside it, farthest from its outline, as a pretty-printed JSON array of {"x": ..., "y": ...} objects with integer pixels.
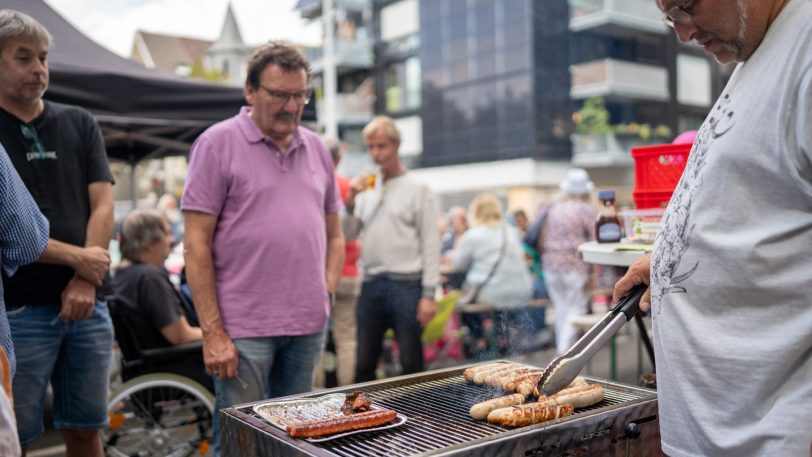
[{"x": 286, "y": 116}]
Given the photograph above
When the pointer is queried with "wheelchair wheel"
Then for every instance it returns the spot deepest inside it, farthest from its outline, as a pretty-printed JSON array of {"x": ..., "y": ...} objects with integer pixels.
[{"x": 159, "y": 414}]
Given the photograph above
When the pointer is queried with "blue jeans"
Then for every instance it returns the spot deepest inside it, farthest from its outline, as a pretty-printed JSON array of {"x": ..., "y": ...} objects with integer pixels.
[
  {"x": 74, "y": 356},
  {"x": 268, "y": 367},
  {"x": 388, "y": 303}
]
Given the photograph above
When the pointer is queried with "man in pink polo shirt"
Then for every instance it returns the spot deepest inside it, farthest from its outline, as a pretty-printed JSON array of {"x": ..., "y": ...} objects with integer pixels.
[{"x": 264, "y": 247}]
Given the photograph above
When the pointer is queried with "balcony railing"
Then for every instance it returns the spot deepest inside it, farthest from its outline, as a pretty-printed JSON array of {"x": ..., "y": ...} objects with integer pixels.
[
  {"x": 606, "y": 149},
  {"x": 637, "y": 14},
  {"x": 311, "y": 9},
  {"x": 355, "y": 53},
  {"x": 609, "y": 77}
]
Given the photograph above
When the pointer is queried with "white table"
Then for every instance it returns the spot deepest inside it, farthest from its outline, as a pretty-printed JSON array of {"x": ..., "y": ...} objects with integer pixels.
[{"x": 608, "y": 254}]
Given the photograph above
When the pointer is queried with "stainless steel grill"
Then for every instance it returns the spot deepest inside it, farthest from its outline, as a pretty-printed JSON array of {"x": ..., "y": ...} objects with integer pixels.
[{"x": 437, "y": 403}]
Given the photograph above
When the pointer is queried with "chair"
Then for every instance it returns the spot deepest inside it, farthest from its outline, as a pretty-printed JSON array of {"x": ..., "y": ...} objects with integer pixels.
[{"x": 158, "y": 410}]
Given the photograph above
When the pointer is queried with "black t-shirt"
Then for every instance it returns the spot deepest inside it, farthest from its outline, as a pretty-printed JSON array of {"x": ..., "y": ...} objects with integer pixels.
[
  {"x": 147, "y": 290},
  {"x": 70, "y": 156}
]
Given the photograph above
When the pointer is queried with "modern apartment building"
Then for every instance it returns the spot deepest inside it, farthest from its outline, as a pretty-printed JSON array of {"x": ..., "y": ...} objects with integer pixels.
[{"x": 489, "y": 93}]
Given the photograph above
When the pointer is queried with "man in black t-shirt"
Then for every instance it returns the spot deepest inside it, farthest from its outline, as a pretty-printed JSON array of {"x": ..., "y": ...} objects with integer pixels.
[{"x": 60, "y": 330}]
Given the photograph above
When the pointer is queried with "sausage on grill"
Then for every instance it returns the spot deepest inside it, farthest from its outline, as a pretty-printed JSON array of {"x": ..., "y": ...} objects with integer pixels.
[
  {"x": 577, "y": 385},
  {"x": 481, "y": 410},
  {"x": 469, "y": 373},
  {"x": 340, "y": 424},
  {"x": 528, "y": 414},
  {"x": 580, "y": 398}
]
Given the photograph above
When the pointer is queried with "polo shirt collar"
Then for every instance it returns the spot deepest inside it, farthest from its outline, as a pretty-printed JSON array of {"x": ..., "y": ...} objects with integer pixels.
[{"x": 254, "y": 135}]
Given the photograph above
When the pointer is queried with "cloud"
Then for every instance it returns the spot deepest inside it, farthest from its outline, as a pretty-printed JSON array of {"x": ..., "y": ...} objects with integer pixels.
[{"x": 112, "y": 23}]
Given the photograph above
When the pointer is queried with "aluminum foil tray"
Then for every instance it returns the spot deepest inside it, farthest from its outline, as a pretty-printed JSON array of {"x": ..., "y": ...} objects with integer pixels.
[{"x": 281, "y": 413}]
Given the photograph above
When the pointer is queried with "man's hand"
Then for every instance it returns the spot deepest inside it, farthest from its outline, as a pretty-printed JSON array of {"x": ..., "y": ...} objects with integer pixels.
[
  {"x": 426, "y": 310},
  {"x": 220, "y": 355},
  {"x": 78, "y": 299},
  {"x": 91, "y": 264},
  {"x": 639, "y": 273}
]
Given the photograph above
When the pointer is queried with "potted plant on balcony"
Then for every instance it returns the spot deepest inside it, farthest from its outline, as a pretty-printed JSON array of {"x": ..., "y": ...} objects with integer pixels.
[{"x": 594, "y": 133}]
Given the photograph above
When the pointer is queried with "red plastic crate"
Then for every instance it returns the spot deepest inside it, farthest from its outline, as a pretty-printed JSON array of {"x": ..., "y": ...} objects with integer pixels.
[
  {"x": 644, "y": 200},
  {"x": 658, "y": 168}
]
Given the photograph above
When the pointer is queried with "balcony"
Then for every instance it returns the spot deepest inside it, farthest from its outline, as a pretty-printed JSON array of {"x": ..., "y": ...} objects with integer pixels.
[
  {"x": 617, "y": 78},
  {"x": 616, "y": 16},
  {"x": 350, "y": 108},
  {"x": 311, "y": 9},
  {"x": 349, "y": 55},
  {"x": 606, "y": 149}
]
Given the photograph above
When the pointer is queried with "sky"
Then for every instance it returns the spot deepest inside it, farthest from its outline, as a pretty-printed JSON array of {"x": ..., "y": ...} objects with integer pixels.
[{"x": 112, "y": 23}]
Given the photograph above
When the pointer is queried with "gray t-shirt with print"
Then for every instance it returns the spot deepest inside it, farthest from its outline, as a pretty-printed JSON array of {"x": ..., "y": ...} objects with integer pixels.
[{"x": 732, "y": 264}]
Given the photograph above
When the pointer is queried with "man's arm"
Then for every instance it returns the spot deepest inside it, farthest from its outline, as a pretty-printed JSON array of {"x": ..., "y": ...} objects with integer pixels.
[
  {"x": 219, "y": 351},
  {"x": 335, "y": 251},
  {"x": 180, "y": 332},
  {"x": 23, "y": 228},
  {"x": 430, "y": 251},
  {"x": 352, "y": 225},
  {"x": 79, "y": 296}
]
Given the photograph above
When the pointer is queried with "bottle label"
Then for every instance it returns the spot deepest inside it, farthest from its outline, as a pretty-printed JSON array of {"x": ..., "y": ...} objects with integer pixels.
[{"x": 609, "y": 232}]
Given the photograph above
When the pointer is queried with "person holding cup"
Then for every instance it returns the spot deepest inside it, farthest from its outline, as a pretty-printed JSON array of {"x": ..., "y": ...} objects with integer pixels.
[{"x": 394, "y": 215}]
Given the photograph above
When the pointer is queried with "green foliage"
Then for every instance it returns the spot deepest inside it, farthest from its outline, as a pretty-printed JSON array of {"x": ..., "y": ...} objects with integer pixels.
[
  {"x": 593, "y": 118},
  {"x": 198, "y": 71}
]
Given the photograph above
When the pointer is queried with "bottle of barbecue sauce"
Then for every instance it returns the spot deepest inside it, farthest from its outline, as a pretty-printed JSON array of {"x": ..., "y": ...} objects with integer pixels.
[{"x": 607, "y": 228}]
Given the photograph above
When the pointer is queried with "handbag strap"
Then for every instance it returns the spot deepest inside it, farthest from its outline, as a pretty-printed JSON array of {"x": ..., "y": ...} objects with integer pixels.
[{"x": 499, "y": 260}]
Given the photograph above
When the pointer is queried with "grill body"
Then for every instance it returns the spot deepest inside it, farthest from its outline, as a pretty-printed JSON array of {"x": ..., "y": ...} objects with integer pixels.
[{"x": 437, "y": 403}]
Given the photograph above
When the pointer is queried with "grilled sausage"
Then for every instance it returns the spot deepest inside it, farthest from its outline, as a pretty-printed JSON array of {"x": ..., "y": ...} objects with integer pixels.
[
  {"x": 527, "y": 386},
  {"x": 481, "y": 410},
  {"x": 580, "y": 398},
  {"x": 469, "y": 373},
  {"x": 339, "y": 424},
  {"x": 501, "y": 380},
  {"x": 479, "y": 377},
  {"x": 493, "y": 377},
  {"x": 577, "y": 385},
  {"x": 511, "y": 384},
  {"x": 528, "y": 414}
]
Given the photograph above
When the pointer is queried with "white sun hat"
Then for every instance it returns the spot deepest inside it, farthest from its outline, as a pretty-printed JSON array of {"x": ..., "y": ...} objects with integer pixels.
[{"x": 577, "y": 182}]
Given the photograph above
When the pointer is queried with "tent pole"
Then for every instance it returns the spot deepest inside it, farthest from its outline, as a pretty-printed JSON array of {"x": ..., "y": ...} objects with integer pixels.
[{"x": 133, "y": 185}]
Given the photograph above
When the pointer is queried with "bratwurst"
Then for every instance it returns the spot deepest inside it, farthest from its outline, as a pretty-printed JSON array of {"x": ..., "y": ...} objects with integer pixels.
[{"x": 340, "y": 424}]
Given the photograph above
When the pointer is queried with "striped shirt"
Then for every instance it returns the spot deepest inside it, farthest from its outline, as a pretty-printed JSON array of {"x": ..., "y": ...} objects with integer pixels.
[{"x": 23, "y": 235}]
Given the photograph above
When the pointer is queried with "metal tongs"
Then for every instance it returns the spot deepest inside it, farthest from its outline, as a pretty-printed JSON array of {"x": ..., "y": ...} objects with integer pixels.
[{"x": 564, "y": 368}]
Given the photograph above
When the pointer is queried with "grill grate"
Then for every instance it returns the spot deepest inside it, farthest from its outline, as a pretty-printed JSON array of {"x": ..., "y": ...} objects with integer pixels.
[{"x": 437, "y": 410}]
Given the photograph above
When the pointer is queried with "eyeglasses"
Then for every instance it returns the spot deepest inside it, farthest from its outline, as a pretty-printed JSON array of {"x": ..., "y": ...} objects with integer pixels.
[
  {"x": 680, "y": 14},
  {"x": 281, "y": 98},
  {"x": 30, "y": 134}
]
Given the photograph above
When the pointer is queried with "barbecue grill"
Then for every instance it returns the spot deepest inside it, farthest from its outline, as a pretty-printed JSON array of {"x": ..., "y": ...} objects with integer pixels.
[{"x": 436, "y": 404}]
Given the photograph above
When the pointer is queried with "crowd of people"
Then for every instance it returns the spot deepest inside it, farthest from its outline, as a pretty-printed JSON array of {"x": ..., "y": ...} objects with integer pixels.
[{"x": 373, "y": 253}]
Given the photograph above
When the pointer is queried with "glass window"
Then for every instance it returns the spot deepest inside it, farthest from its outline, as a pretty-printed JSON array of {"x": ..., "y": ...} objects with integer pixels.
[
  {"x": 515, "y": 11},
  {"x": 403, "y": 85},
  {"x": 517, "y": 59},
  {"x": 458, "y": 25},
  {"x": 693, "y": 80},
  {"x": 399, "y": 20},
  {"x": 485, "y": 65}
]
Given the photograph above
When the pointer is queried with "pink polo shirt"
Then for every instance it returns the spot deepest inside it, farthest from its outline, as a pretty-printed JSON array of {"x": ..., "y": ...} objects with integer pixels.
[{"x": 270, "y": 243}]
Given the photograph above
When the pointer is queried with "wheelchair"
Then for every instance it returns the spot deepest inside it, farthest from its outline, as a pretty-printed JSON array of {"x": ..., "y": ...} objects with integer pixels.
[{"x": 160, "y": 409}]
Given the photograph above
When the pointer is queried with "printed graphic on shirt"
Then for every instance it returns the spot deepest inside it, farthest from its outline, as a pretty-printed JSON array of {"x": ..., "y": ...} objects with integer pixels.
[
  {"x": 40, "y": 155},
  {"x": 674, "y": 238}
]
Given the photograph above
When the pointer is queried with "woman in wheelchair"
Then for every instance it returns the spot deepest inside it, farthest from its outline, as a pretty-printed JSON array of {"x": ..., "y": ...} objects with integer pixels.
[{"x": 156, "y": 310}]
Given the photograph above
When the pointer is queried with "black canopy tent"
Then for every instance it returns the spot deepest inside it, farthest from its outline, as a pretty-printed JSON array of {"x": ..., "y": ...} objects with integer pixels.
[{"x": 143, "y": 113}]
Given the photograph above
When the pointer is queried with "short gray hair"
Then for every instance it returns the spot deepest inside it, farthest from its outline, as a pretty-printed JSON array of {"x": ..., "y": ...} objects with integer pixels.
[
  {"x": 140, "y": 229},
  {"x": 385, "y": 125},
  {"x": 14, "y": 24}
]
